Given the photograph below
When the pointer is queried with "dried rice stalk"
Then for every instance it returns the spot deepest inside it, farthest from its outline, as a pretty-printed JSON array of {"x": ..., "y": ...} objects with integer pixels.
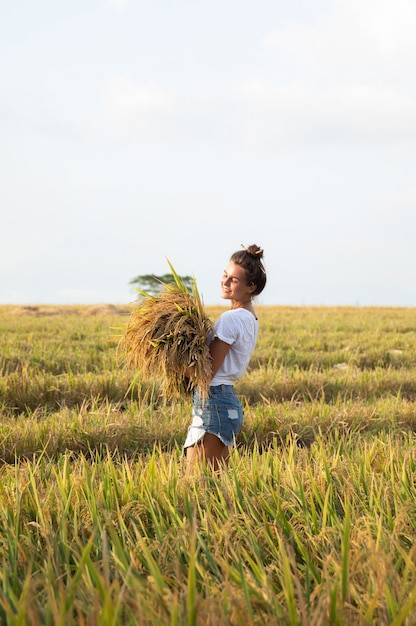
[{"x": 166, "y": 335}]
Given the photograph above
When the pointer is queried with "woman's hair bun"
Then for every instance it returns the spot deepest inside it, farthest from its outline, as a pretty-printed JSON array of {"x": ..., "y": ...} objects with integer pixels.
[{"x": 254, "y": 251}]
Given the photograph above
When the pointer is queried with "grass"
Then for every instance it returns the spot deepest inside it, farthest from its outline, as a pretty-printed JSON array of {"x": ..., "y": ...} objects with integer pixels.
[
  {"x": 314, "y": 523},
  {"x": 166, "y": 339}
]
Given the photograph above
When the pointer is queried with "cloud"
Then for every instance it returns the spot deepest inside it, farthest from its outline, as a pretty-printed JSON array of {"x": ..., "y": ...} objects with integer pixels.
[
  {"x": 355, "y": 37},
  {"x": 273, "y": 114},
  {"x": 118, "y": 4},
  {"x": 342, "y": 77},
  {"x": 16, "y": 254},
  {"x": 405, "y": 199},
  {"x": 137, "y": 106}
]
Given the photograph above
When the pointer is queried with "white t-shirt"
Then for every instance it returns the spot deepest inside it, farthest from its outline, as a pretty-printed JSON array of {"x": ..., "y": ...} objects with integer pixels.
[{"x": 239, "y": 328}]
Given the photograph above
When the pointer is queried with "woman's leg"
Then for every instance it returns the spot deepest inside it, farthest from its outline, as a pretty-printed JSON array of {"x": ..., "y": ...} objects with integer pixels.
[{"x": 209, "y": 449}]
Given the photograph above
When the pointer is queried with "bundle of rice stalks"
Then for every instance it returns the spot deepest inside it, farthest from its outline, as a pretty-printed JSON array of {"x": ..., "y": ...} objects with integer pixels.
[{"x": 167, "y": 338}]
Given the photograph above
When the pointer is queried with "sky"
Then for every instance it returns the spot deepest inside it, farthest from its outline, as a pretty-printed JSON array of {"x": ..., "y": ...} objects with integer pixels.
[{"x": 133, "y": 132}]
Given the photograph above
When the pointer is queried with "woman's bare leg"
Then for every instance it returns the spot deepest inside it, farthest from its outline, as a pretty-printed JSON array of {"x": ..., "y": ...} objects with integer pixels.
[{"x": 209, "y": 449}]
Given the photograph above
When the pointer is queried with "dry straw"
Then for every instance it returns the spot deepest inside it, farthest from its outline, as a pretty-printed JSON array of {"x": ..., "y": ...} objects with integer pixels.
[{"x": 166, "y": 338}]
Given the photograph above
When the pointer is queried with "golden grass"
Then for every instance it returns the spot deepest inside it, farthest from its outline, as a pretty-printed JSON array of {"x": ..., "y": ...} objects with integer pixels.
[
  {"x": 313, "y": 523},
  {"x": 166, "y": 339}
]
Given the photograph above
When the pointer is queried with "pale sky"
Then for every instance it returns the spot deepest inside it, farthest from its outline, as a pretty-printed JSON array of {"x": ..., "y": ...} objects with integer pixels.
[{"x": 132, "y": 131}]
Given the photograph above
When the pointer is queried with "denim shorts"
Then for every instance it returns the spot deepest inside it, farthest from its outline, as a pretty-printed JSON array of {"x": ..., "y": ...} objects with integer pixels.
[{"x": 221, "y": 414}]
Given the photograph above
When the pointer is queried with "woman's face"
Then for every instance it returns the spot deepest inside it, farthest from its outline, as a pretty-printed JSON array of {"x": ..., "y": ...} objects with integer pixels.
[{"x": 234, "y": 284}]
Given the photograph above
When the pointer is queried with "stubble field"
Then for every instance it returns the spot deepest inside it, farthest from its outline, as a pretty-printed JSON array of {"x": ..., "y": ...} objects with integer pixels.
[{"x": 314, "y": 523}]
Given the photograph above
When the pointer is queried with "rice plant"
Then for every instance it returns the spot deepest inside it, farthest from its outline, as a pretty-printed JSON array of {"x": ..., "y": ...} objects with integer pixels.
[
  {"x": 167, "y": 338},
  {"x": 313, "y": 523}
]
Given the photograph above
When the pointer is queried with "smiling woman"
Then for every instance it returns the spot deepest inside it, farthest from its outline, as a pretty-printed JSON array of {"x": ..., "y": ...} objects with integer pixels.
[{"x": 217, "y": 420}]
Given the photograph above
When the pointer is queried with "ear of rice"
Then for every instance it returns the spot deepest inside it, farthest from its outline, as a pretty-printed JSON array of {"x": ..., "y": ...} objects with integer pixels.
[{"x": 166, "y": 335}]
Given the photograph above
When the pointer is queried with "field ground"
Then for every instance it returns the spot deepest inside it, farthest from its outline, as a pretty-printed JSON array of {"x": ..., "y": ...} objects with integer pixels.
[{"x": 313, "y": 524}]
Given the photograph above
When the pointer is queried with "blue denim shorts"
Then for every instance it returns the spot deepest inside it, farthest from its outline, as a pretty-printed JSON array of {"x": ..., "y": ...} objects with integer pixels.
[{"x": 221, "y": 414}]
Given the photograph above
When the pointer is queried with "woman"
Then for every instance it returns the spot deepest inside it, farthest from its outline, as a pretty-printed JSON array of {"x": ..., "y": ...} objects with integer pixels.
[{"x": 217, "y": 421}]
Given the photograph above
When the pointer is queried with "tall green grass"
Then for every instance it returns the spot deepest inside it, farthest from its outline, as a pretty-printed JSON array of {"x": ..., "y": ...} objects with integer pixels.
[
  {"x": 292, "y": 535},
  {"x": 313, "y": 523}
]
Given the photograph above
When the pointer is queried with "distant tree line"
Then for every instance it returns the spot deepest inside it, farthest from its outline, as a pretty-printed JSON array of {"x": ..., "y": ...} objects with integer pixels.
[{"x": 152, "y": 284}]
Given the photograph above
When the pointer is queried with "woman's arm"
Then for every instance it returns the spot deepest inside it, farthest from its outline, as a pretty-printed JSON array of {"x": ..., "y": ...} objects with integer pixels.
[{"x": 218, "y": 350}]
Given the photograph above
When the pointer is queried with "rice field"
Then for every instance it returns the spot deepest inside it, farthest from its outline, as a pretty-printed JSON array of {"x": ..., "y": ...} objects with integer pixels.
[{"x": 314, "y": 523}]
